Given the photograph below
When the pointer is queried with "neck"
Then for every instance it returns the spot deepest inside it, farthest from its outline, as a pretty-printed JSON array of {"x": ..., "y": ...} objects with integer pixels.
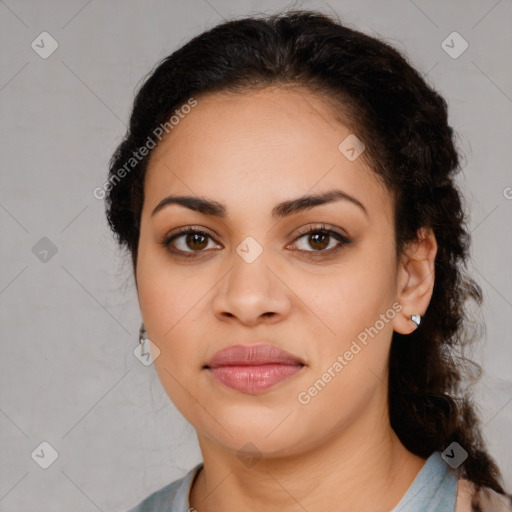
[{"x": 358, "y": 467}]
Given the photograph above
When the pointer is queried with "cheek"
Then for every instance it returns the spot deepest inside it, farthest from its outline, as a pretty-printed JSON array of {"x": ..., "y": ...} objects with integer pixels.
[
  {"x": 350, "y": 361},
  {"x": 166, "y": 295},
  {"x": 350, "y": 302},
  {"x": 169, "y": 309}
]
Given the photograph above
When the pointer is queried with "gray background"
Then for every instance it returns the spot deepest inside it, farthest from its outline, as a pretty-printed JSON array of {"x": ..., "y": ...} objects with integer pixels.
[{"x": 69, "y": 324}]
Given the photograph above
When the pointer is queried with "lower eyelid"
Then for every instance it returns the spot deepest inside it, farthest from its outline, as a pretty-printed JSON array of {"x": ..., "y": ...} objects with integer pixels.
[
  {"x": 341, "y": 239},
  {"x": 331, "y": 234},
  {"x": 170, "y": 241}
]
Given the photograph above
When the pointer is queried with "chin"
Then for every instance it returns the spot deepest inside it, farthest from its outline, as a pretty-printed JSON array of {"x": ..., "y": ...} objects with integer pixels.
[{"x": 270, "y": 438}]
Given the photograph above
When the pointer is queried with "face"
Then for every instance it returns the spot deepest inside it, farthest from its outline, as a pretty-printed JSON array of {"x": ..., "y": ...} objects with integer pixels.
[{"x": 252, "y": 275}]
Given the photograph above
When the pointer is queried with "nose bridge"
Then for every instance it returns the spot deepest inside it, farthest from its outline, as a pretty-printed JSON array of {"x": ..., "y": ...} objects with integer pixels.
[
  {"x": 251, "y": 273},
  {"x": 251, "y": 288}
]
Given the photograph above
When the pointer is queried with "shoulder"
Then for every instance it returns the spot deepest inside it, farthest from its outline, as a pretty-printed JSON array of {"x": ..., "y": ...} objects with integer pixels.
[
  {"x": 159, "y": 500},
  {"x": 172, "y": 497},
  {"x": 488, "y": 499}
]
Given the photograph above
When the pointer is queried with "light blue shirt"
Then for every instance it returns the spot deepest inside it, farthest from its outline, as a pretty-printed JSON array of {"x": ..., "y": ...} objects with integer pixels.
[{"x": 433, "y": 490}]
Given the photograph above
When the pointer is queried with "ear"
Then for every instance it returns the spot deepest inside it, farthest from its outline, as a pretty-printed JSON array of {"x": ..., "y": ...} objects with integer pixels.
[{"x": 415, "y": 280}]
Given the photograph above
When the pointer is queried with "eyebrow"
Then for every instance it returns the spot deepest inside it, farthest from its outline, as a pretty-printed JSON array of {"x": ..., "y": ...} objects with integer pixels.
[{"x": 216, "y": 209}]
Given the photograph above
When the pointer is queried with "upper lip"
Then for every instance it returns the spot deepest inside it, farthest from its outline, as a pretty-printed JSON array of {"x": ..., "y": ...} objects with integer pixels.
[{"x": 252, "y": 355}]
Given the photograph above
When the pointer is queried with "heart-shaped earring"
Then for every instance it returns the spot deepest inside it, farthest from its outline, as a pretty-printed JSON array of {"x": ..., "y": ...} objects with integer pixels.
[
  {"x": 416, "y": 319},
  {"x": 142, "y": 333}
]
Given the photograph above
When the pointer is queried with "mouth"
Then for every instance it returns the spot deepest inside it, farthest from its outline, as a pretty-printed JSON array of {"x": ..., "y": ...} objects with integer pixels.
[{"x": 253, "y": 369}]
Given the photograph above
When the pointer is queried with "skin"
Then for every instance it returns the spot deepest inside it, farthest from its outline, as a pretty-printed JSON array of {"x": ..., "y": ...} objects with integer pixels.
[{"x": 249, "y": 152}]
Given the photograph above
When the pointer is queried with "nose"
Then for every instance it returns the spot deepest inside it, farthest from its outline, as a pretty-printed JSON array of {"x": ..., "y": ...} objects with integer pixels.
[{"x": 252, "y": 293}]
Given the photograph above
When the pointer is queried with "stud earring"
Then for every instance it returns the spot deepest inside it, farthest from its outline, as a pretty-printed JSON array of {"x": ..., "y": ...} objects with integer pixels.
[{"x": 416, "y": 319}]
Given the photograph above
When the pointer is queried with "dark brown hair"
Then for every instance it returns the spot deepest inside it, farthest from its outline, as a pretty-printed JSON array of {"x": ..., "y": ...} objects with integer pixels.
[{"x": 409, "y": 145}]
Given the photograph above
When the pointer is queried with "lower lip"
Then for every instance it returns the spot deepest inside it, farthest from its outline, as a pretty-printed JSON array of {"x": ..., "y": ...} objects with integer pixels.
[{"x": 254, "y": 379}]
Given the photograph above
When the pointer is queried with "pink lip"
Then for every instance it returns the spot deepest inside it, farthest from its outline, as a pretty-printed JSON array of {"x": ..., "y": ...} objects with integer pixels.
[{"x": 253, "y": 368}]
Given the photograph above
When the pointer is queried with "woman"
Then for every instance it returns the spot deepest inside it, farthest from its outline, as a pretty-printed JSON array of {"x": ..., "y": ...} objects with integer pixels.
[{"x": 286, "y": 192}]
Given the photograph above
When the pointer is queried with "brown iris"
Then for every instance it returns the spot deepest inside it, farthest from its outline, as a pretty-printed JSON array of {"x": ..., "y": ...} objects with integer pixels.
[
  {"x": 314, "y": 240},
  {"x": 193, "y": 238}
]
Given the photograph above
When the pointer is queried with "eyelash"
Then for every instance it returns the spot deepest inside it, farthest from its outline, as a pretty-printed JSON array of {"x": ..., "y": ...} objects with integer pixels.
[{"x": 343, "y": 240}]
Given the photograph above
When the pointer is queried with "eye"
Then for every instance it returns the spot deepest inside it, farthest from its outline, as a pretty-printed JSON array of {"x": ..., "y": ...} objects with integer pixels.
[
  {"x": 320, "y": 238},
  {"x": 194, "y": 239}
]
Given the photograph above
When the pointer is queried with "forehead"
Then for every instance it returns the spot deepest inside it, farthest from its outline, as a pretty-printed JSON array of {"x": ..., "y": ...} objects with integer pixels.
[{"x": 258, "y": 148}]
